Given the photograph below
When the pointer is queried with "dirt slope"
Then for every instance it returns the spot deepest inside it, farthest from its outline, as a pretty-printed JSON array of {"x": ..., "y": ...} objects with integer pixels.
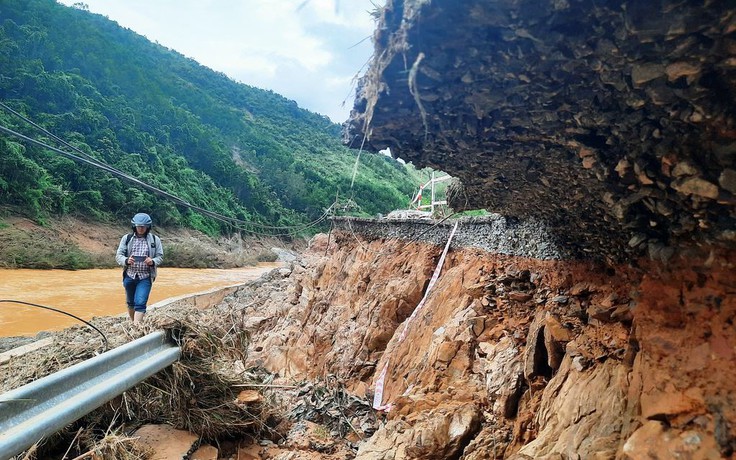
[
  {"x": 512, "y": 357},
  {"x": 69, "y": 242}
]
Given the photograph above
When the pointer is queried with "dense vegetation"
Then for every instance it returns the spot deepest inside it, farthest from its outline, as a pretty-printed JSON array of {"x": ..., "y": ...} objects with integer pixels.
[{"x": 163, "y": 118}]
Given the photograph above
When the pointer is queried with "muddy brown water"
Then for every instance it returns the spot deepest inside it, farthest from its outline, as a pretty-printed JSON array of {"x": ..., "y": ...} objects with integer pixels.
[{"x": 98, "y": 292}]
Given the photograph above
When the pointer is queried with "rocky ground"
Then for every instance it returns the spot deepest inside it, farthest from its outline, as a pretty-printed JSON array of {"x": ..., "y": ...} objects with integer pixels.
[
  {"x": 513, "y": 357},
  {"x": 508, "y": 357}
]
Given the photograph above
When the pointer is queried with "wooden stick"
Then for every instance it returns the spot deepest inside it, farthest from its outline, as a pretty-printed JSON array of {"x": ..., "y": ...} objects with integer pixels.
[{"x": 79, "y": 431}]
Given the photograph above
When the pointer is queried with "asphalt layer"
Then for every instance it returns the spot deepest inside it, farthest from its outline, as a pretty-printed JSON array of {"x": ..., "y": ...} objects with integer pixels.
[{"x": 493, "y": 233}]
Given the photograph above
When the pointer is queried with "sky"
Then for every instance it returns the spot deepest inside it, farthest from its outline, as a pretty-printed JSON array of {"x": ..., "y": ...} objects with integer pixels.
[{"x": 310, "y": 51}]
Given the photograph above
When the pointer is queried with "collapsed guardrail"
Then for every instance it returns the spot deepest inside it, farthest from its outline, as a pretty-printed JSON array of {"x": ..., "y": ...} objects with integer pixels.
[{"x": 43, "y": 407}]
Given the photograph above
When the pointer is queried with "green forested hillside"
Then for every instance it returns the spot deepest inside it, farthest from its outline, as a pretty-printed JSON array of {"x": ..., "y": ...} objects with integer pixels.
[{"x": 163, "y": 118}]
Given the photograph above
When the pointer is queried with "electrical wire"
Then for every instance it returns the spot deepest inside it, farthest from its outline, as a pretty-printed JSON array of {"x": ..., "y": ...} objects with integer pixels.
[
  {"x": 237, "y": 223},
  {"x": 85, "y": 158},
  {"x": 94, "y": 162},
  {"x": 58, "y": 139},
  {"x": 62, "y": 312}
]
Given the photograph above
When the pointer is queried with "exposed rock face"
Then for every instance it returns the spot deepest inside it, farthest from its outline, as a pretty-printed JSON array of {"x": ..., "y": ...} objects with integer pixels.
[
  {"x": 510, "y": 357},
  {"x": 610, "y": 126},
  {"x": 613, "y": 122}
]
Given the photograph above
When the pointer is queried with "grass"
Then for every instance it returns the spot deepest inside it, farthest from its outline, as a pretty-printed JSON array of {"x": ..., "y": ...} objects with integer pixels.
[
  {"x": 21, "y": 250},
  {"x": 473, "y": 213}
]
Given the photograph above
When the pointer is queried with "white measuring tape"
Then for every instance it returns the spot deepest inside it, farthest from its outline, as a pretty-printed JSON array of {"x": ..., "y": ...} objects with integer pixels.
[{"x": 378, "y": 396}]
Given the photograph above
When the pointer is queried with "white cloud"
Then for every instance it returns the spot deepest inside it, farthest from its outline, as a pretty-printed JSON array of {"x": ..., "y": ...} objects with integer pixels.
[{"x": 305, "y": 50}]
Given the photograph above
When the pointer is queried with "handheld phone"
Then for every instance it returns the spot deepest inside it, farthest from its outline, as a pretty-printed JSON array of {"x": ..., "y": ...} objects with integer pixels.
[{"x": 139, "y": 258}]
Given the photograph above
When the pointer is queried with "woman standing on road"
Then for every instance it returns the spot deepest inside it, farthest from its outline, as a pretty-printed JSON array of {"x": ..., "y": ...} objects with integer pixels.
[{"x": 140, "y": 253}]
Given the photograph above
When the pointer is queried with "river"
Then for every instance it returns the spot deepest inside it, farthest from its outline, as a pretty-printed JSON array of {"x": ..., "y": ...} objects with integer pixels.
[{"x": 97, "y": 292}]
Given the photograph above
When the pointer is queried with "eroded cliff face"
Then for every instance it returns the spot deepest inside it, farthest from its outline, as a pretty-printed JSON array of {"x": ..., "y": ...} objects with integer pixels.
[
  {"x": 613, "y": 122},
  {"x": 510, "y": 357},
  {"x": 610, "y": 127}
]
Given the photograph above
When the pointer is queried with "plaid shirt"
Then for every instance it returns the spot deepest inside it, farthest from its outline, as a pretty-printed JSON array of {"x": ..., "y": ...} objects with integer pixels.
[{"x": 139, "y": 269}]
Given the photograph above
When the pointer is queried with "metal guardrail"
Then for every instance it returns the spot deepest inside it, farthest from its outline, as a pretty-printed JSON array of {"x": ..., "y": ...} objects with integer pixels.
[{"x": 45, "y": 406}]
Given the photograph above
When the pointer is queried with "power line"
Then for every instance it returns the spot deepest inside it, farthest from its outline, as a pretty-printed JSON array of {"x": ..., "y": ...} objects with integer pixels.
[
  {"x": 94, "y": 162},
  {"x": 58, "y": 139},
  {"x": 86, "y": 159}
]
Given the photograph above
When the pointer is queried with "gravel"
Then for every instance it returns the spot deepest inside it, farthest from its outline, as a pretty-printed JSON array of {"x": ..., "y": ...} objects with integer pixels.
[{"x": 493, "y": 233}]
